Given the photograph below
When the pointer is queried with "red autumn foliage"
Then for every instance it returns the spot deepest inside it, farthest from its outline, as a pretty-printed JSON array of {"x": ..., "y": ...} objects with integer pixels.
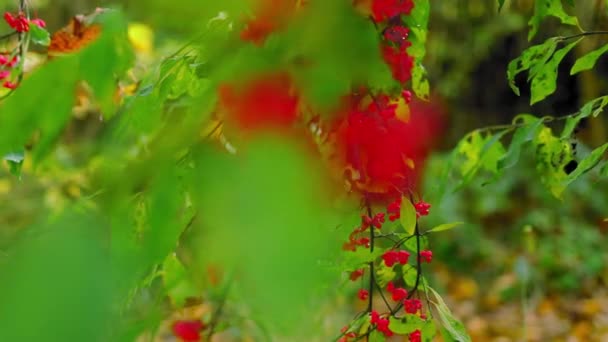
[
  {"x": 384, "y": 155},
  {"x": 264, "y": 102}
]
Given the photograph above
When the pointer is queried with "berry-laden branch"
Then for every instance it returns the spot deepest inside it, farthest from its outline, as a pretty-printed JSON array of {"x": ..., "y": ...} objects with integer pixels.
[
  {"x": 12, "y": 62},
  {"x": 394, "y": 257}
]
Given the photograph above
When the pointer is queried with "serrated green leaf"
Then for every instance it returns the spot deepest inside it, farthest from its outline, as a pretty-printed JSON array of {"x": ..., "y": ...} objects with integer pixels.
[
  {"x": 39, "y": 35},
  {"x": 531, "y": 58},
  {"x": 522, "y": 135},
  {"x": 445, "y": 226},
  {"x": 588, "y": 61},
  {"x": 453, "y": 326},
  {"x": 408, "y": 216},
  {"x": 545, "y": 8},
  {"x": 544, "y": 82}
]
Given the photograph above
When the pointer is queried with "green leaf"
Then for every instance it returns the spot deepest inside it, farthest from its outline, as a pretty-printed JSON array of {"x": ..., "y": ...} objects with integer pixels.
[
  {"x": 411, "y": 243},
  {"x": 552, "y": 154},
  {"x": 376, "y": 336},
  {"x": 175, "y": 278},
  {"x": 409, "y": 275},
  {"x": 408, "y": 216},
  {"x": 500, "y": 4},
  {"x": 453, "y": 326},
  {"x": 420, "y": 82},
  {"x": 593, "y": 107},
  {"x": 532, "y": 57},
  {"x": 545, "y": 82},
  {"x": 385, "y": 274},
  {"x": 604, "y": 170},
  {"x": 587, "y": 61},
  {"x": 588, "y": 163},
  {"x": 445, "y": 226},
  {"x": 39, "y": 35},
  {"x": 417, "y": 22},
  {"x": 522, "y": 135},
  {"x": 545, "y": 8},
  {"x": 43, "y": 102},
  {"x": 411, "y": 323},
  {"x": 15, "y": 161}
]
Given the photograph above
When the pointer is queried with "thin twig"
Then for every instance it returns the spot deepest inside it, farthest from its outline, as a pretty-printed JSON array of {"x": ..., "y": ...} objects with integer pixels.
[{"x": 582, "y": 34}]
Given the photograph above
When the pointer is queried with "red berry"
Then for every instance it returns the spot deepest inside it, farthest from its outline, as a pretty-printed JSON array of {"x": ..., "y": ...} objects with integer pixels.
[
  {"x": 188, "y": 330},
  {"x": 363, "y": 294}
]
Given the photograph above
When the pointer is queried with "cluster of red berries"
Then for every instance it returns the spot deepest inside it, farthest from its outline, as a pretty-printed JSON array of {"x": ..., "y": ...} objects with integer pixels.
[
  {"x": 20, "y": 23},
  {"x": 395, "y": 45},
  {"x": 380, "y": 323},
  {"x": 392, "y": 257},
  {"x": 422, "y": 208},
  {"x": 355, "y": 239}
]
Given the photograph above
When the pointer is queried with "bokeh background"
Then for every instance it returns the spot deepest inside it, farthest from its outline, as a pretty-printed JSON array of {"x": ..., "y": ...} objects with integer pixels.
[{"x": 525, "y": 266}]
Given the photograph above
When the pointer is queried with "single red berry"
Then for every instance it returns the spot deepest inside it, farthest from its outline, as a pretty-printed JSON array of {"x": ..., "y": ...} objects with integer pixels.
[
  {"x": 363, "y": 294},
  {"x": 4, "y": 74},
  {"x": 10, "y": 85},
  {"x": 407, "y": 96},
  {"x": 38, "y": 22},
  {"x": 390, "y": 258},
  {"x": 412, "y": 306},
  {"x": 415, "y": 336},
  {"x": 374, "y": 317},
  {"x": 399, "y": 294},
  {"x": 402, "y": 257},
  {"x": 426, "y": 256},
  {"x": 356, "y": 274},
  {"x": 188, "y": 330}
]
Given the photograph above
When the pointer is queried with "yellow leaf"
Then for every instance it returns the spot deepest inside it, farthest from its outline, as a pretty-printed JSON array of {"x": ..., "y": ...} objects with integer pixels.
[
  {"x": 141, "y": 37},
  {"x": 403, "y": 110},
  {"x": 408, "y": 216}
]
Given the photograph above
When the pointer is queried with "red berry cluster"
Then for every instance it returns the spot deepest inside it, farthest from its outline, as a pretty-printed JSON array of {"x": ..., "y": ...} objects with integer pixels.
[
  {"x": 422, "y": 208},
  {"x": 346, "y": 335},
  {"x": 395, "y": 45},
  {"x": 380, "y": 323},
  {"x": 392, "y": 257},
  {"x": 6, "y": 62},
  {"x": 20, "y": 23},
  {"x": 355, "y": 239}
]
